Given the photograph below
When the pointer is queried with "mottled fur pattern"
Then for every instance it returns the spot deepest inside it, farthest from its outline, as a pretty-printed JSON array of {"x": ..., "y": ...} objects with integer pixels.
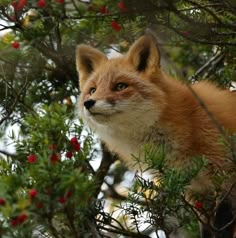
[{"x": 129, "y": 101}]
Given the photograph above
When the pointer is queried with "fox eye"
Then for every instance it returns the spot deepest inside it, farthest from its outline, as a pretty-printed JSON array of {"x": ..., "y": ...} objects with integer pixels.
[
  {"x": 121, "y": 86},
  {"x": 92, "y": 91}
]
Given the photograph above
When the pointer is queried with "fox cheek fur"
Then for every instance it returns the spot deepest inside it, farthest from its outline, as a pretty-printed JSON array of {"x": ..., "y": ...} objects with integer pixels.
[{"x": 129, "y": 101}]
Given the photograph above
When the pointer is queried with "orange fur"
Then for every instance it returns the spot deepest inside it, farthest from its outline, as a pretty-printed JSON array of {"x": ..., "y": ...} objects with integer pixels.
[{"x": 152, "y": 108}]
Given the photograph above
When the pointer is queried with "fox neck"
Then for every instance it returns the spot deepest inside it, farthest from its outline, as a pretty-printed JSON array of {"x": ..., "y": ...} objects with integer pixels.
[{"x": 130, "y": 140}]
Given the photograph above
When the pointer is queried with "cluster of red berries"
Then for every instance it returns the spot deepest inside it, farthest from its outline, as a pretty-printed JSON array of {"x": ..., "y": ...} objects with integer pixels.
[
  {"x": 114, "y": 24},
  {"x": 43, "y": 3},
  {"x": 120, "y": 5},
  {"x": 55, "y": 157},
  {"x": 75, "y": 144},
  {"x": 63, "y": 199},
  {"x": 19, "y": 219},
  {"x": 16, "y": 220},
  {"x": 32, "y": 194},
  {"x": 18, "y": 5}
]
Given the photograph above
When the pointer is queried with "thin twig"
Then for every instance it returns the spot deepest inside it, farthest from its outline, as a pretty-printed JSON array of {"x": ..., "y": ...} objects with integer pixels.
[
  {"x": 218, "y": 56},
  {"x": 225, "y": 226},
  {"x": 205, "y": 9},
  {"x": 197, "y": 40},
  {"x": 17, "y": 97},
  {"x": 124, "y": 232},
  {"x": 215, "y": 210}
]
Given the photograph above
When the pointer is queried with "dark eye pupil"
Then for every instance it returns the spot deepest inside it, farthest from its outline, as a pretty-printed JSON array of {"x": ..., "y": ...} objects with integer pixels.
[
  {"x": 92, "y": 90},
  {"x": 121, "y": 86}
]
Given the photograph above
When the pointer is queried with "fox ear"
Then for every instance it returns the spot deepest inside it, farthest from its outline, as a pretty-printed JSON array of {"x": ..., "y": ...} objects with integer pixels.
[
  {"x": 87, "y": 60},
  {"x": 144, "y": 54}
]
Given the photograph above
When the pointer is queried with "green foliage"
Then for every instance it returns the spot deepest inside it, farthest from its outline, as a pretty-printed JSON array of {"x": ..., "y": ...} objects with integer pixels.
[
  {"x": 62, "y": 200},
  {"x": 38, "y": 90},
  {"x": 161, "y": 198}
]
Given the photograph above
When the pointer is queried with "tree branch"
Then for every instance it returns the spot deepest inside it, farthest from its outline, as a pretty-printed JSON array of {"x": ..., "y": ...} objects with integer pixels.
[
  {"x": 17, "y": 98},
  {"x": 217, "y": 57},
  {"x": 107, "y": 161}
]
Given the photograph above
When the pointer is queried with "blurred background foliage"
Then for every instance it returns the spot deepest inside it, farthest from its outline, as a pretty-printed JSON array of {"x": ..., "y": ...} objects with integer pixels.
[{"x": 197, "y": 41}]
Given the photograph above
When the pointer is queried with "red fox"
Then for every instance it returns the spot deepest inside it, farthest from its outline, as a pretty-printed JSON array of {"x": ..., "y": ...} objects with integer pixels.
[{"x": 129, "y": 101}]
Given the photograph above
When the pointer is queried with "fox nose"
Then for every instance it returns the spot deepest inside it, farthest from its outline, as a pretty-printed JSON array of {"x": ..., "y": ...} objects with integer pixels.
[{"x": 89, "y": 103}]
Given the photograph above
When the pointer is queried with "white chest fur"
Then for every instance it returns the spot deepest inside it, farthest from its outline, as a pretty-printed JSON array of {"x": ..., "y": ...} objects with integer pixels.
[
  {"x": 126, "y": 127},
  {"x": 129, "y": 139}
]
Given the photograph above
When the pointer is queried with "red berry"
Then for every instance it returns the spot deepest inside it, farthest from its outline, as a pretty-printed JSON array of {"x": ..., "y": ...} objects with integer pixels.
[
  {"x": 22, "y": 218},
  {"x": 21, "y": 4},
  {"x": 198, "y": 205},
  {"x": 18, "y": 220},
  {"x": 76, "y": 147},
  {"x": 69, "y": 154},
  {"x": 74, "y": 140},
  {"x": 32, "y": 158},
  {"x": 75, "y": 144},
  {"x": 14, "y": 222},
  {"x": 60, "y": 1},
  {"x": 41, "y": 3},
  {"x": 2, "y": 202},
  {"x": 116, "y": 26},
  {"x": 68, "y": 194},
  {"x": 122, "y": 6},
  {"x": 62, "y": 200},
  {"x": 15, "y": 45},
  {"x": 32, "y": 193},
  {"x": 103, "y": 10},
  {"x": 54, "y": 158}
]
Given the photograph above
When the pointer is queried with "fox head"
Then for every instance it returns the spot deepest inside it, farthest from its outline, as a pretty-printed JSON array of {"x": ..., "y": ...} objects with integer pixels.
[{"x": 120, "y": 92}]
